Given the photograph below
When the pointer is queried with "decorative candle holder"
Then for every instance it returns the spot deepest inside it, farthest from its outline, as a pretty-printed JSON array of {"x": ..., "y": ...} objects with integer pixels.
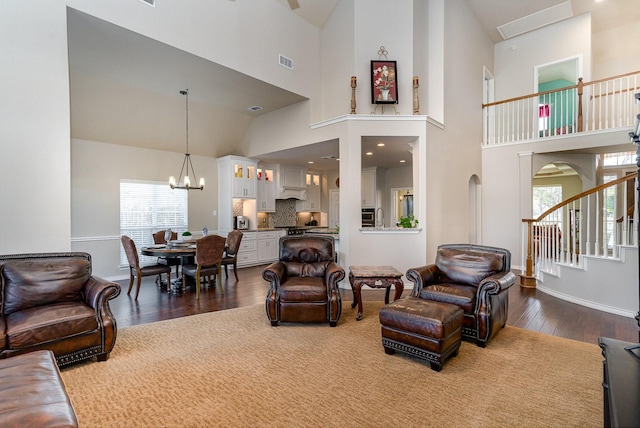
[
  {"x": 416, "y": 101},
  {"x": 353, "y": 94}
]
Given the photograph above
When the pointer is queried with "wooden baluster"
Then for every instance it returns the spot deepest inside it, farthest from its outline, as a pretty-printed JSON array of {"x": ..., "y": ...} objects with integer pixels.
[
  {"x": 528, "y": 280},
  {"x": 580, "y": 92}
]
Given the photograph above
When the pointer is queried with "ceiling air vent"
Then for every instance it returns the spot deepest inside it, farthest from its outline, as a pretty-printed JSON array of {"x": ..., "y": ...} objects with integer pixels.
[
  {"x": 285, "y": 62},
  {"x": 536, "y": 20},
  {"x": 254, "y": 108},
  {"x": 149, "y": 2}
]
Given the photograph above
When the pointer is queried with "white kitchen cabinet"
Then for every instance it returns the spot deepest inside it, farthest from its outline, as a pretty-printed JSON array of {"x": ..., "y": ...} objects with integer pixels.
[
  {"x": 268, "y": 246},
  {"x": 292, "y": 176},
  {"x": 267, "y": 188},
  {"x": 244, "y": 179},
  {"x": 247, "y": 254},
  {"x": 368, "y": 187},
  {"x": 314, "y": 192},
  {"x": 239, "y": 174},
  {"x": 236, "y": 188}
]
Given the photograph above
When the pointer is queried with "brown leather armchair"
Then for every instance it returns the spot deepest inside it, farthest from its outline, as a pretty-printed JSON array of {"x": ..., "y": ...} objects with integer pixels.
[
  {"x": 473, "y": 277},
  {"x": 304, "y": 282},
  {"x": 52, "y": 301}
]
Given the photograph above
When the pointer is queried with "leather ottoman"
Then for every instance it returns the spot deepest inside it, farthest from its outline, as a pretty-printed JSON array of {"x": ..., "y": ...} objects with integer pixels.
[
  {"x": 427, "y": 330},
  {"x": 32, "y": 393}
]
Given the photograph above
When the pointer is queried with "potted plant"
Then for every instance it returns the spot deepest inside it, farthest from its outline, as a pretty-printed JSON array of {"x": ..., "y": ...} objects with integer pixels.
[
  {"x": 186, "y": 235},
  {"x": 408, "y": 222}
]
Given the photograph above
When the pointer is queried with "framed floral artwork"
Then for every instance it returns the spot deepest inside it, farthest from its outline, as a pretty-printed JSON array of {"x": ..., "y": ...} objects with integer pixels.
[{"x": 384, "y": 86}]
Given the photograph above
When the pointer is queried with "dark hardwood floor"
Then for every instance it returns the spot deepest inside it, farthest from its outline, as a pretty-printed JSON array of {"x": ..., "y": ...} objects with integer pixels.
[{"x": 528, "y": 309}]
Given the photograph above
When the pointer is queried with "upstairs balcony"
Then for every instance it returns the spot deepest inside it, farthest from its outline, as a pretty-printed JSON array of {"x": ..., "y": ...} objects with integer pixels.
[
  {"x": 600, "y": 105},
  {"x": 585, "y": 249}
]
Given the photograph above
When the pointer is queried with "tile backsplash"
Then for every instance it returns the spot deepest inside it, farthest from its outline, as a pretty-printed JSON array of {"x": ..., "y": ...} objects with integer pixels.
[{"x": 285, "y": 216}]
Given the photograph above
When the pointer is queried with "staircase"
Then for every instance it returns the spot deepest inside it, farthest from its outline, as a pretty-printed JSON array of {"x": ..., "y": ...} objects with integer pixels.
[{"x": 585, "y": 249}]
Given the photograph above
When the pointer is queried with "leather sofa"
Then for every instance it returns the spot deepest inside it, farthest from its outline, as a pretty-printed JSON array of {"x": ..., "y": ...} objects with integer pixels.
[
  {"x": 474, "y": 277},
  {"x": 52, "y": 301},
  {"x": 304, "y": 282},
  {"x": 33, "y": 393}
]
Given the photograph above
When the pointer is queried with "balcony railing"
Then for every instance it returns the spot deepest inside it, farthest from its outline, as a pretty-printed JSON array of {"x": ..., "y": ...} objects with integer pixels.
[
  {"x": 584, "y": 107},
  {"x": 594, "y": 223}
]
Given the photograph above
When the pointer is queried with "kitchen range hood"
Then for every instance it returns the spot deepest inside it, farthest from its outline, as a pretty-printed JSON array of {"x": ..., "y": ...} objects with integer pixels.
[{"x": 293, "y": 193}]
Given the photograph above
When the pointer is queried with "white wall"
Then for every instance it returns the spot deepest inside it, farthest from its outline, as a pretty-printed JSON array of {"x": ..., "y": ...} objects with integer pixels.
[
  {"x": 337, "y": 64},
  {"x": 612, "y": 56},
  {"x": 458, "y": 143},
  {"x": 97, "y": 169},
  {"x": 225, "y": 32},
  {"x": 34, "y": 129},
  {"x": 604, "y": 284},
  {"x": 516, "y": 58}
]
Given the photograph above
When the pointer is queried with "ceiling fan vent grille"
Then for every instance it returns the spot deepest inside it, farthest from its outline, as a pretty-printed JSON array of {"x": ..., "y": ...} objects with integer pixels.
[
  {"x": 149, "y": 2},
  {"x": 285, "y": 62}
]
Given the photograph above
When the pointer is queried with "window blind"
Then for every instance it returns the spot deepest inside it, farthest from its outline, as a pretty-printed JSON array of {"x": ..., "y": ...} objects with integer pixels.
[{"x": 147, "y": 207}]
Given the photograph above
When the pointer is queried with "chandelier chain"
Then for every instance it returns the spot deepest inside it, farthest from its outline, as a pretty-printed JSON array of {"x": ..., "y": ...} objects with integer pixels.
[{"x": 187, "y": 157}]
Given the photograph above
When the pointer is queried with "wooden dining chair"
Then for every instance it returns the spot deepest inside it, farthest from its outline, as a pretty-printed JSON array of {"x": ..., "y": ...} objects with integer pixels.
[
  {"x": 209, "y": 251},
  {"x": 135, "y": 270},
  {"x": 158, "y": 238},
  {"x": 234, "y": 238}
]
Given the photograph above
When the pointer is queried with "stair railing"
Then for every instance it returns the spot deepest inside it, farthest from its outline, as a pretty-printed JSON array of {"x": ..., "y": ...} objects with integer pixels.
[
  {"x": 586, "y": 106},
  {"x": 593, "y": 223}
]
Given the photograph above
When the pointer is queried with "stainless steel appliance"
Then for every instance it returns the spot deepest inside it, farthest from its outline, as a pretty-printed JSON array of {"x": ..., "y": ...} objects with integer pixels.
[
  {"x": 295, "y": 231},
  {"x": 241, "y": 222},
  {"x": 368, "y": 217}
]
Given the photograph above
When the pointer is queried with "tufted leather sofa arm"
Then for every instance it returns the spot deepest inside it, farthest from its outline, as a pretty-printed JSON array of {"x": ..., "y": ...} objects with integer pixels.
[
  {"x": 275, "y": 273},
  {"x": 422, "y": 277},
  {"x": 97, "y": 292},
  {"x": 333, "y": 275},
  {"x": 497, "y": 283}
]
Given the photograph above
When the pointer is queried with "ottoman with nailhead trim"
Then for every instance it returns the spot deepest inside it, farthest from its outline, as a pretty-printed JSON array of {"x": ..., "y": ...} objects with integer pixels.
[{"x": 425, "y": 329}]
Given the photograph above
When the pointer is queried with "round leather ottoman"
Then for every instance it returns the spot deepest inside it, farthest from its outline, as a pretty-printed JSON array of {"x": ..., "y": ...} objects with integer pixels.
[{"x": 428, "y": 330}]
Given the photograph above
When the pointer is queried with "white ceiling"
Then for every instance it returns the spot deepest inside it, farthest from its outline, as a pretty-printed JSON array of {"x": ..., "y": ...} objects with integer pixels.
[
  {"x": 122, "y": 82},
  {"x": 605, "y": 14}
]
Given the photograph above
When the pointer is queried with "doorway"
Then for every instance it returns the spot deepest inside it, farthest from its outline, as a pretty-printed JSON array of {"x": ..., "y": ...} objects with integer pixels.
[
  {"x": 402, "y": 203},
  {"x": 557, "y": 110}
]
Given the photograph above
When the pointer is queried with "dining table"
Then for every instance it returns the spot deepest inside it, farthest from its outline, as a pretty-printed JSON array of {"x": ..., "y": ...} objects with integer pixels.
[{"x": 184, "y": 250}]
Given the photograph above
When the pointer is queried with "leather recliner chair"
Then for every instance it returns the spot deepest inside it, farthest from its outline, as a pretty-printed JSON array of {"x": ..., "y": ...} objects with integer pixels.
[
  {"x": 474, "y": 277},
  {"x": 304, "y": 282}
]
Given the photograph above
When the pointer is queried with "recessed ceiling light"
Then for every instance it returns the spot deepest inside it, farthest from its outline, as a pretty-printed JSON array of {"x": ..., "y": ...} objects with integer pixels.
[
  {"x": 369, "y": 153},
  {"x": 310, "y": 162},
  {"x": 380, "y": 144},
  {"x": 254, "y": 108},
  {"x": 402, "y": 161}
]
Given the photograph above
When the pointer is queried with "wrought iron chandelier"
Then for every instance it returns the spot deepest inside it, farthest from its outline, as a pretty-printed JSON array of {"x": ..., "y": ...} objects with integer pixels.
[{"x": 185, "y": 183}]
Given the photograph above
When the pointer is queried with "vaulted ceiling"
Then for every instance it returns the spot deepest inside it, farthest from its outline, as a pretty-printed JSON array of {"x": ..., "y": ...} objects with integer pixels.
[{"x": 125, "y": 87}]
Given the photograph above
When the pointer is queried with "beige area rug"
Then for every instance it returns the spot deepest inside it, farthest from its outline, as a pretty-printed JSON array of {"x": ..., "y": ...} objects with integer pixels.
[{"x": 231, "y": 368}]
